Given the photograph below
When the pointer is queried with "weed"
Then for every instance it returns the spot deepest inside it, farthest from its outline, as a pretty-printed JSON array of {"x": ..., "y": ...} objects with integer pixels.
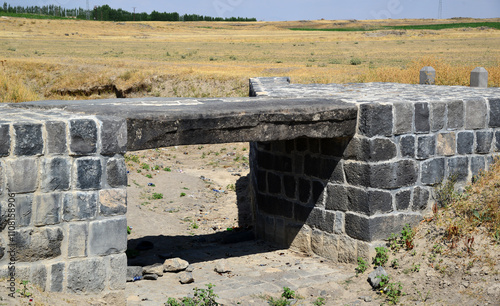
[
  {"x": 149, "y": 176},
  {"x": 288, "y": 293},
  {"x": 355, "y": 61},
  {"x": 201, "y": 297},
  {"x": 231, "y": 187},
  {"x": 24, "y": 291},
  {"x": 415, "y": 268},
  {"x": 395, "y": 263},
  {"x": 393, "y": 292},
  {"x": 157, "y": 196},
  {"x": 139, "y": 170},
  {"x": 156, "y": 167},
  {"x": 445, "y": 193},
  {"x": 381, "y": 256},
  {"x": 278, "y": 302},
  {"x": 362, "y": 266},
  {"x": 194, "y": 225},
  {"x": 319, "y": 301},
  {"x": 145, "y": 166},
  {"x": 131, "y": 157},
  {"x": 167, "y": 169},
  {"x": 129, "y": 230},
  {"x": 183, "y": 194}
]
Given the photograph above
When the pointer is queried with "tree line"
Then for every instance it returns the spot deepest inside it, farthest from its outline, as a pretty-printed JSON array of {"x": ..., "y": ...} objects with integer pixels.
[{"x": 107, "y": 13}]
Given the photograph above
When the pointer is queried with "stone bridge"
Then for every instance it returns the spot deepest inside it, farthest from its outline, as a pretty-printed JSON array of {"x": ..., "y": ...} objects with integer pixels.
[{"x": 335, "y": 169}]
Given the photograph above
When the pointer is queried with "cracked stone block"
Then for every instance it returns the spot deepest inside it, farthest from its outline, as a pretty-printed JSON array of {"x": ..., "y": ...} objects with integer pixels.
[
  {"x": 88, "y": 173},
  {"x": 87, "y": 275},
  {"x": 403, "y": 118},
  {"x": 426, "y": 146},
  {"x": 56, "y": 137},
  {"x": 79, "y": 206},
  {"x": 113, "y": 135},
  {"x": 446, "y": 144},
  {"x": 77, "y": 240},
  {"x": 48, "y": 209},
  {"x": 4, "y": 140},
  {"x": 17, "y": 180},
  {"x": 484, "y": 140},
  {"x": 455, "y": 115},
  {"x": 375, "y": 119},
  {"x": 29, "y": 140},
  {"x": 432, "y": 171},
  {"x": 83, "y": 136},
  {"x": 38, "y": 243},
  {"x": 465, "y": 142},
  {"x": 113, "y": 202},
  {"x": 108, "y": 236},
  {"x": 56, "y": 174},
  {"x": 476, "y": 114},
  {"x": 38, "y": 276},
  {"x": 422, "y": 114},
  {"x": 369, "y": 202}
]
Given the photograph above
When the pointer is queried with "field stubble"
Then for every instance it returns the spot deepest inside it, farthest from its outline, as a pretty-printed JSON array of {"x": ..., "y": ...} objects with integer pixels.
[{"x": 73, "y": 59}]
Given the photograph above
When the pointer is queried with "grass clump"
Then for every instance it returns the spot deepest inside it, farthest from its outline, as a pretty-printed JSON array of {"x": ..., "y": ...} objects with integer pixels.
[{"x": 202, "y": 297}]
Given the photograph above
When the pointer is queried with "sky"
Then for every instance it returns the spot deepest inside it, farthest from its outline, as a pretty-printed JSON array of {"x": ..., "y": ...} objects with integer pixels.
[{"x": 278, "y": 10}]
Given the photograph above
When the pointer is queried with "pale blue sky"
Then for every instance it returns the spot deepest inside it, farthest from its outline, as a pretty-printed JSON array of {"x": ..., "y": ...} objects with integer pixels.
[{"x": 270, "y": 10}]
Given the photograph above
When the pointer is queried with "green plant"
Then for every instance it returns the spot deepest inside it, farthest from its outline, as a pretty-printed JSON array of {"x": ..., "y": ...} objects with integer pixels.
[
  {"x": 24, "y": 291},
  {"x": 156, "y": 167},
  {"x": 167, "y": 169},
  {"x": 393, "y": 291},
  {"x": 194, "y": 225},
  {"x": 231, "y": 187},
  {"x": 183, "y": 194},
  {"x": 145, "y": 166},
  {"x": 157, "y": 196},
  {"x": 278, "y": 302},
  {"x": 381, "y": 256},
  {"x": 149, "y": 176},
  {"x": 319, "y": 301},
  {"x": 288, "y": 293},
  {"x": 362, "y": 266},
  {"x": 395, "y": 263},
  {"x": 201, "y": 297},
  {"x": 415, "y": 267},
  {"x": 129, "y": 230},
  {"x": 407, "y": 237},
  {"x": 133, "y": 158},
  {"x": 355, "y": 61},
  {"x": 445, "y": 193}
]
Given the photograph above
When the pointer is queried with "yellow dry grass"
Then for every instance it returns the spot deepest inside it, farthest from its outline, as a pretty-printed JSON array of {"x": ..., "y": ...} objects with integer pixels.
[{"x": 75, "y": 59}]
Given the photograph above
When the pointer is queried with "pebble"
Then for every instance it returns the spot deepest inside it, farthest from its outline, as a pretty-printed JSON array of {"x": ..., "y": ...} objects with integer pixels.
[
  {"x": 186, "y": 278},
  {"x": 150, "y": 276},
  {"x": 222, "y": 267},
  {"x": 367, "y": 299},
  {"x": 175, "y": 265}
]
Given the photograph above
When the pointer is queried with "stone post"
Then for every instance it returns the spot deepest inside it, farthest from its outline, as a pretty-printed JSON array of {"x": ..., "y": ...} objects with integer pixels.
[
  {"x": 427, "y": 76},
  {"x": 479, "y": 77}
]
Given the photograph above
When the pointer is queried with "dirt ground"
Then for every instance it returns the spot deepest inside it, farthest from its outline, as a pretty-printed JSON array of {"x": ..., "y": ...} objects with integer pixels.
[{"x": 191, "y": 202}]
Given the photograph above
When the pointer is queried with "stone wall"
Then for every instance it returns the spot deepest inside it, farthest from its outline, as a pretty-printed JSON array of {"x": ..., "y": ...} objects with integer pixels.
[
  {"x": 340, "y": 197},
  {"x": 63, "y": 200}
]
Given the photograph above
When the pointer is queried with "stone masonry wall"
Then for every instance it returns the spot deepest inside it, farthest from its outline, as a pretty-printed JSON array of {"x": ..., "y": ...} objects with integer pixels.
[
  {"x": 340, "y": 197},
  {"x": 63, "y": 200}
]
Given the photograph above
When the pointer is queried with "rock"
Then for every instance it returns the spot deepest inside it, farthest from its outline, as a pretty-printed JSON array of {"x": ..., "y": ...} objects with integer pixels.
[
  {"x": 175, "y": 265},
  {"x": 151, "y": 276},
  {"x": 374, "y": 277},
  {"x": 367, "y": 299},
  {"x": 134, "y": 273},
  {"x": 153, "y": 269},
  {"x": 222, "y": 267},
  {"x": 190, "y": 268},
  {"x": 494, "y": 290},
  {"x": 186, "y": 278},
  {"x": 144, "y": 245}
]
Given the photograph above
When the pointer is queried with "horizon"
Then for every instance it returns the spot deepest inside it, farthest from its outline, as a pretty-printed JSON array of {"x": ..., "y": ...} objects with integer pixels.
[{"x": 292, "y": 10}]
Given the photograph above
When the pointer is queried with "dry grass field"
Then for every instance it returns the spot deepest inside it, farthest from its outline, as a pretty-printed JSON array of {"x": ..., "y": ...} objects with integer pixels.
[{"x": 75, "y": 59}]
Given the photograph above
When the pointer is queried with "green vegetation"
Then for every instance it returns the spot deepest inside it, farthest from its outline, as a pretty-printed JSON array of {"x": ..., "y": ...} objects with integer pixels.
[
  {"x": 157, "y": 196},
  {"x": 202, "y": 297},
  {"x": 381, "y": 256},
  {"x": 494, "y": 25},
  {"x": 362, "y": 266}
]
